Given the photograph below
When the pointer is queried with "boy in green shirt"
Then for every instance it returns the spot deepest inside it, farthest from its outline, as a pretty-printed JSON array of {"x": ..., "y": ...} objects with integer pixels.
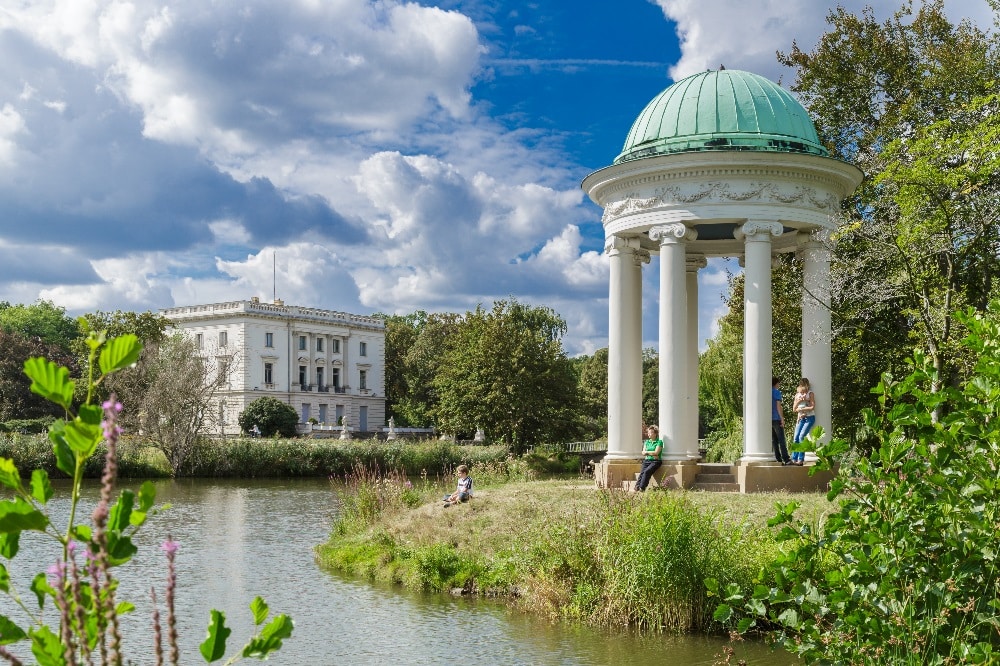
[{"x": 651, "y": 450}]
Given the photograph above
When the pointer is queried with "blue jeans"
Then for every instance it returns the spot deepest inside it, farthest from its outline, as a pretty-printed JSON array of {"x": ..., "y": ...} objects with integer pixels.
[{"x": 802, "y": 429}]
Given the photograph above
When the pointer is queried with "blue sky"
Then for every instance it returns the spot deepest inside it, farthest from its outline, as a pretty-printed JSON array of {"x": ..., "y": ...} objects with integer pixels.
[{"x": 346, "y": 154}]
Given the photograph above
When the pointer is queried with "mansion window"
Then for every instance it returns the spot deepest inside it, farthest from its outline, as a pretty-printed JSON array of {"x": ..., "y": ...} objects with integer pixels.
[
  {"x": 364, "y": 349},
  {"x": 269, "y": 373},
  {"x": 302, "y": 343},
  {"x": 319, "y": 344},
  {"x": 223, "y": 338},
  {"x": 199, "y": 339},
  {"x": 363, "y": 380},
  {"x": 269, "y": 339},
  {"x": 303, "y": 379},
  {"x": 334, "y": 346}
]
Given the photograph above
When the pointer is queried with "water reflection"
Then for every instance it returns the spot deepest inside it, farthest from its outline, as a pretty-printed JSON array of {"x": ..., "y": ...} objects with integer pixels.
[{"x": 245, "y": 538}]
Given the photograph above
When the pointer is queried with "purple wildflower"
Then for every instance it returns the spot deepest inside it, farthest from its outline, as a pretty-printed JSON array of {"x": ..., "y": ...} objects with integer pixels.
[{"x": 170, "y": 547}]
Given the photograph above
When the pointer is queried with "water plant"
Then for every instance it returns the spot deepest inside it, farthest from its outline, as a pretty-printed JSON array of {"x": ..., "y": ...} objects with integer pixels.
[
  {"x": 905, "y": 572},
  {"x": 81, "y": 586}
]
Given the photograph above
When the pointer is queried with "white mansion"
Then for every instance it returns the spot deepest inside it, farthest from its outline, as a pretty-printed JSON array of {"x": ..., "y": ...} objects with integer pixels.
[{"x": 327, "y": 365}]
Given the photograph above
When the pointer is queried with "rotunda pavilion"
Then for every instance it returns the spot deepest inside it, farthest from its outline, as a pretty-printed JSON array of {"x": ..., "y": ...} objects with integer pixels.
[{"x": 720, "y": 164}]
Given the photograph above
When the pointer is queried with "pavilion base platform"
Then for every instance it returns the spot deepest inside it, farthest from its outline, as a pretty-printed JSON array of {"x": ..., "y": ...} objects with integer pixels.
[
  {"x": 766, "y": 477},
  {"x": 620, "y": 473},
  {"x": 745, "y": 476}
]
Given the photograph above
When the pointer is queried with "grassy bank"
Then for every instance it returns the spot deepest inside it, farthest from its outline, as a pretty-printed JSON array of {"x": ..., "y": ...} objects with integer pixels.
[{"x": 560, "y": 548}]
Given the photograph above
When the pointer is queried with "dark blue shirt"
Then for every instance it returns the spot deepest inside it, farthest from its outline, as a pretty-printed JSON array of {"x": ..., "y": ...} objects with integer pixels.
[{"x": 775, "y": 399}]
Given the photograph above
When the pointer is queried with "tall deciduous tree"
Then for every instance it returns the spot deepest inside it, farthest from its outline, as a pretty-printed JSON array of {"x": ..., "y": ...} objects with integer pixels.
[
  {"x": 505, "y": 370},
  {"x": 907, "y": 100},
  {"x": 43, "y": 320}
]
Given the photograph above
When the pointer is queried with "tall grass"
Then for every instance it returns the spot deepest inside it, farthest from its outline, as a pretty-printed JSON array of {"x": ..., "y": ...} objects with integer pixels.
[
  {"x": 136, "y": 459},
  {"x": 556, "y": 549}
]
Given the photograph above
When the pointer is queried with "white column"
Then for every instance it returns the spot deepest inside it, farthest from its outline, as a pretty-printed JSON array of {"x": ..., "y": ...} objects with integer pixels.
[
  {"x": 694, "y": 263},
  {"x": 673, "y": 376},
  {"x": 625, "y": 347},
  {"x": 757, "y": 358},
  {"x": 816, "y": 333}
]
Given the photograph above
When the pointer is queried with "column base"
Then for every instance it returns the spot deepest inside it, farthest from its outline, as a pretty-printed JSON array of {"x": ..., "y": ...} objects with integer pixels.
[
  {"x": 765, "y": 477},
  {"x": 617, "y": 473}
]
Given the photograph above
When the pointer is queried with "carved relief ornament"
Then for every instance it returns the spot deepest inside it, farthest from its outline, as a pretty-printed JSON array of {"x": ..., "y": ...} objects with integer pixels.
[
  {"x": 759, "y": 227},
  {"x": 723, "y": 192}
]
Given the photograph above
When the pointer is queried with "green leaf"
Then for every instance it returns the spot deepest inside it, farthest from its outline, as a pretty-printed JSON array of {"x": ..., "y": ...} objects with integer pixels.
[
  {"x": 259, "y": 609},
  {"x": 120, "y": 548},
  {"x": 9, "y": 475},
  {"x": 147, "y": 496},
  {"x": 47, "y": 647},
  {"x": 50, "y": 381},
  {"x": 4, "y": 579},
  {"x": 41, "y": 488},
  {"x": 722, "y": 613},
  {"x": 65, "y": 460},
  {"x": 744, "y": 625},
  {"x": 40, "y": 586},
  {"x": 270, "y": 638},
  {"x": 118, "y": 517},
  {"x": 83, "y": 438},
  {"x": 17, "y": 515},
  {"x": 10, "y": 632},
  {"x": 82, "y": 533},
  {"x": 123, "y": 607},
  {"x": 119, "y": 353},
  {"x": 213, "y": 647},
  {"x": 91, "y": 414}
]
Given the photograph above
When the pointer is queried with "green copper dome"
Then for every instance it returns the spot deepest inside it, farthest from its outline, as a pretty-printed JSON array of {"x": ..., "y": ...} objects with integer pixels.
[{"x": 722, "y": 110}]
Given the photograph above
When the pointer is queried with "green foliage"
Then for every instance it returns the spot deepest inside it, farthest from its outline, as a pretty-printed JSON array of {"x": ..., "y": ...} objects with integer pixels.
[
  {"x": 907, "y": 100},
  {"x": 271, "y": 416},
  {"x": 650, "y": 387},
  {"x": 17, "y": 401},
  {"x": 505, "y": 370},
  {"x": 905, "y": 572},
  {"x": 42, "y": 320},
  {"x": 83, "y": 587},
  {"x": 593, "y": 388}
]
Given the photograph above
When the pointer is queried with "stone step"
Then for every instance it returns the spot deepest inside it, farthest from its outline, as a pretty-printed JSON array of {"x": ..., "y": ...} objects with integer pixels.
[
  {"x": 716, "y": 487},
  {"x": 715, "y": 478}
]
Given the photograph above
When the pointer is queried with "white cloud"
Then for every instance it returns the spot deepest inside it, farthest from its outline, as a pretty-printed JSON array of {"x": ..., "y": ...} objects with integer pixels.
[
  {"x": 745, "y": 35},
  {"x": 11, "y": 124}
]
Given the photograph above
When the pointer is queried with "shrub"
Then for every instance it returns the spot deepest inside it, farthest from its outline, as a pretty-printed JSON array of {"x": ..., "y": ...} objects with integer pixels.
[
  {"x": 271, "y": 416},
  {"x": 906, "y": 571}
]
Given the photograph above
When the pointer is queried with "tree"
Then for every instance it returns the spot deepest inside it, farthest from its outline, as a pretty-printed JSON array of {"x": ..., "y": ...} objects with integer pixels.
[
  {"x": 176, "y": 410},
  {"x": 907, "y": 100},
  {"x": 16, "y": 398},
  {"x": 271, "y": 416},
  {"x": 650, "y": 386},
  {"x": 505, "y": 370},
  {"x": 592, "y": 386},
  {"x": 131, "y": 384},
  {"x": 42, "y": 320}
]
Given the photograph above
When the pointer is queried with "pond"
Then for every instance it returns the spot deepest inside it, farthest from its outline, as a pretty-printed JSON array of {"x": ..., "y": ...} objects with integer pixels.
[{"x": 243, "y": 538}]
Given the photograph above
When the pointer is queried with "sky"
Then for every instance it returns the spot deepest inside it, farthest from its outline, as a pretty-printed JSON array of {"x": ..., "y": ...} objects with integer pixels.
[{"x": 346, "y": 154}]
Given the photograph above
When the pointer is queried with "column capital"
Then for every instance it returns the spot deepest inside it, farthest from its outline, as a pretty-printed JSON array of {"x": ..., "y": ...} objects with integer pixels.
[
  {"x": 675, "y": 232},
  {"x": 617, "y": 245},
  {"x": 758, "y": 230},
  {"x": 694, "y": 262}
]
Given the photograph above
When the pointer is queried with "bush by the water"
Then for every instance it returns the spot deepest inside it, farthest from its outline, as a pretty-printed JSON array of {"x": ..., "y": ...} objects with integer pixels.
[{"x": 906, "y": 571}]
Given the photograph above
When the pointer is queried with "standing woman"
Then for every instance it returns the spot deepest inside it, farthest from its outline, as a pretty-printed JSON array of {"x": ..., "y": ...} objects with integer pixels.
[
  {"x": 651, "y": 450},
  {"x": 804, "y": 407}
]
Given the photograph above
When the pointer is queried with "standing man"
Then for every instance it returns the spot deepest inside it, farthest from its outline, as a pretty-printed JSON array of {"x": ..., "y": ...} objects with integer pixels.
[{"x": 778, "y": 425}]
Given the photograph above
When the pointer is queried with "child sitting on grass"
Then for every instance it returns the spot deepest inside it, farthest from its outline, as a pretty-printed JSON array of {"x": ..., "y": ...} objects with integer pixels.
[{"x": 464, "y": 490}]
